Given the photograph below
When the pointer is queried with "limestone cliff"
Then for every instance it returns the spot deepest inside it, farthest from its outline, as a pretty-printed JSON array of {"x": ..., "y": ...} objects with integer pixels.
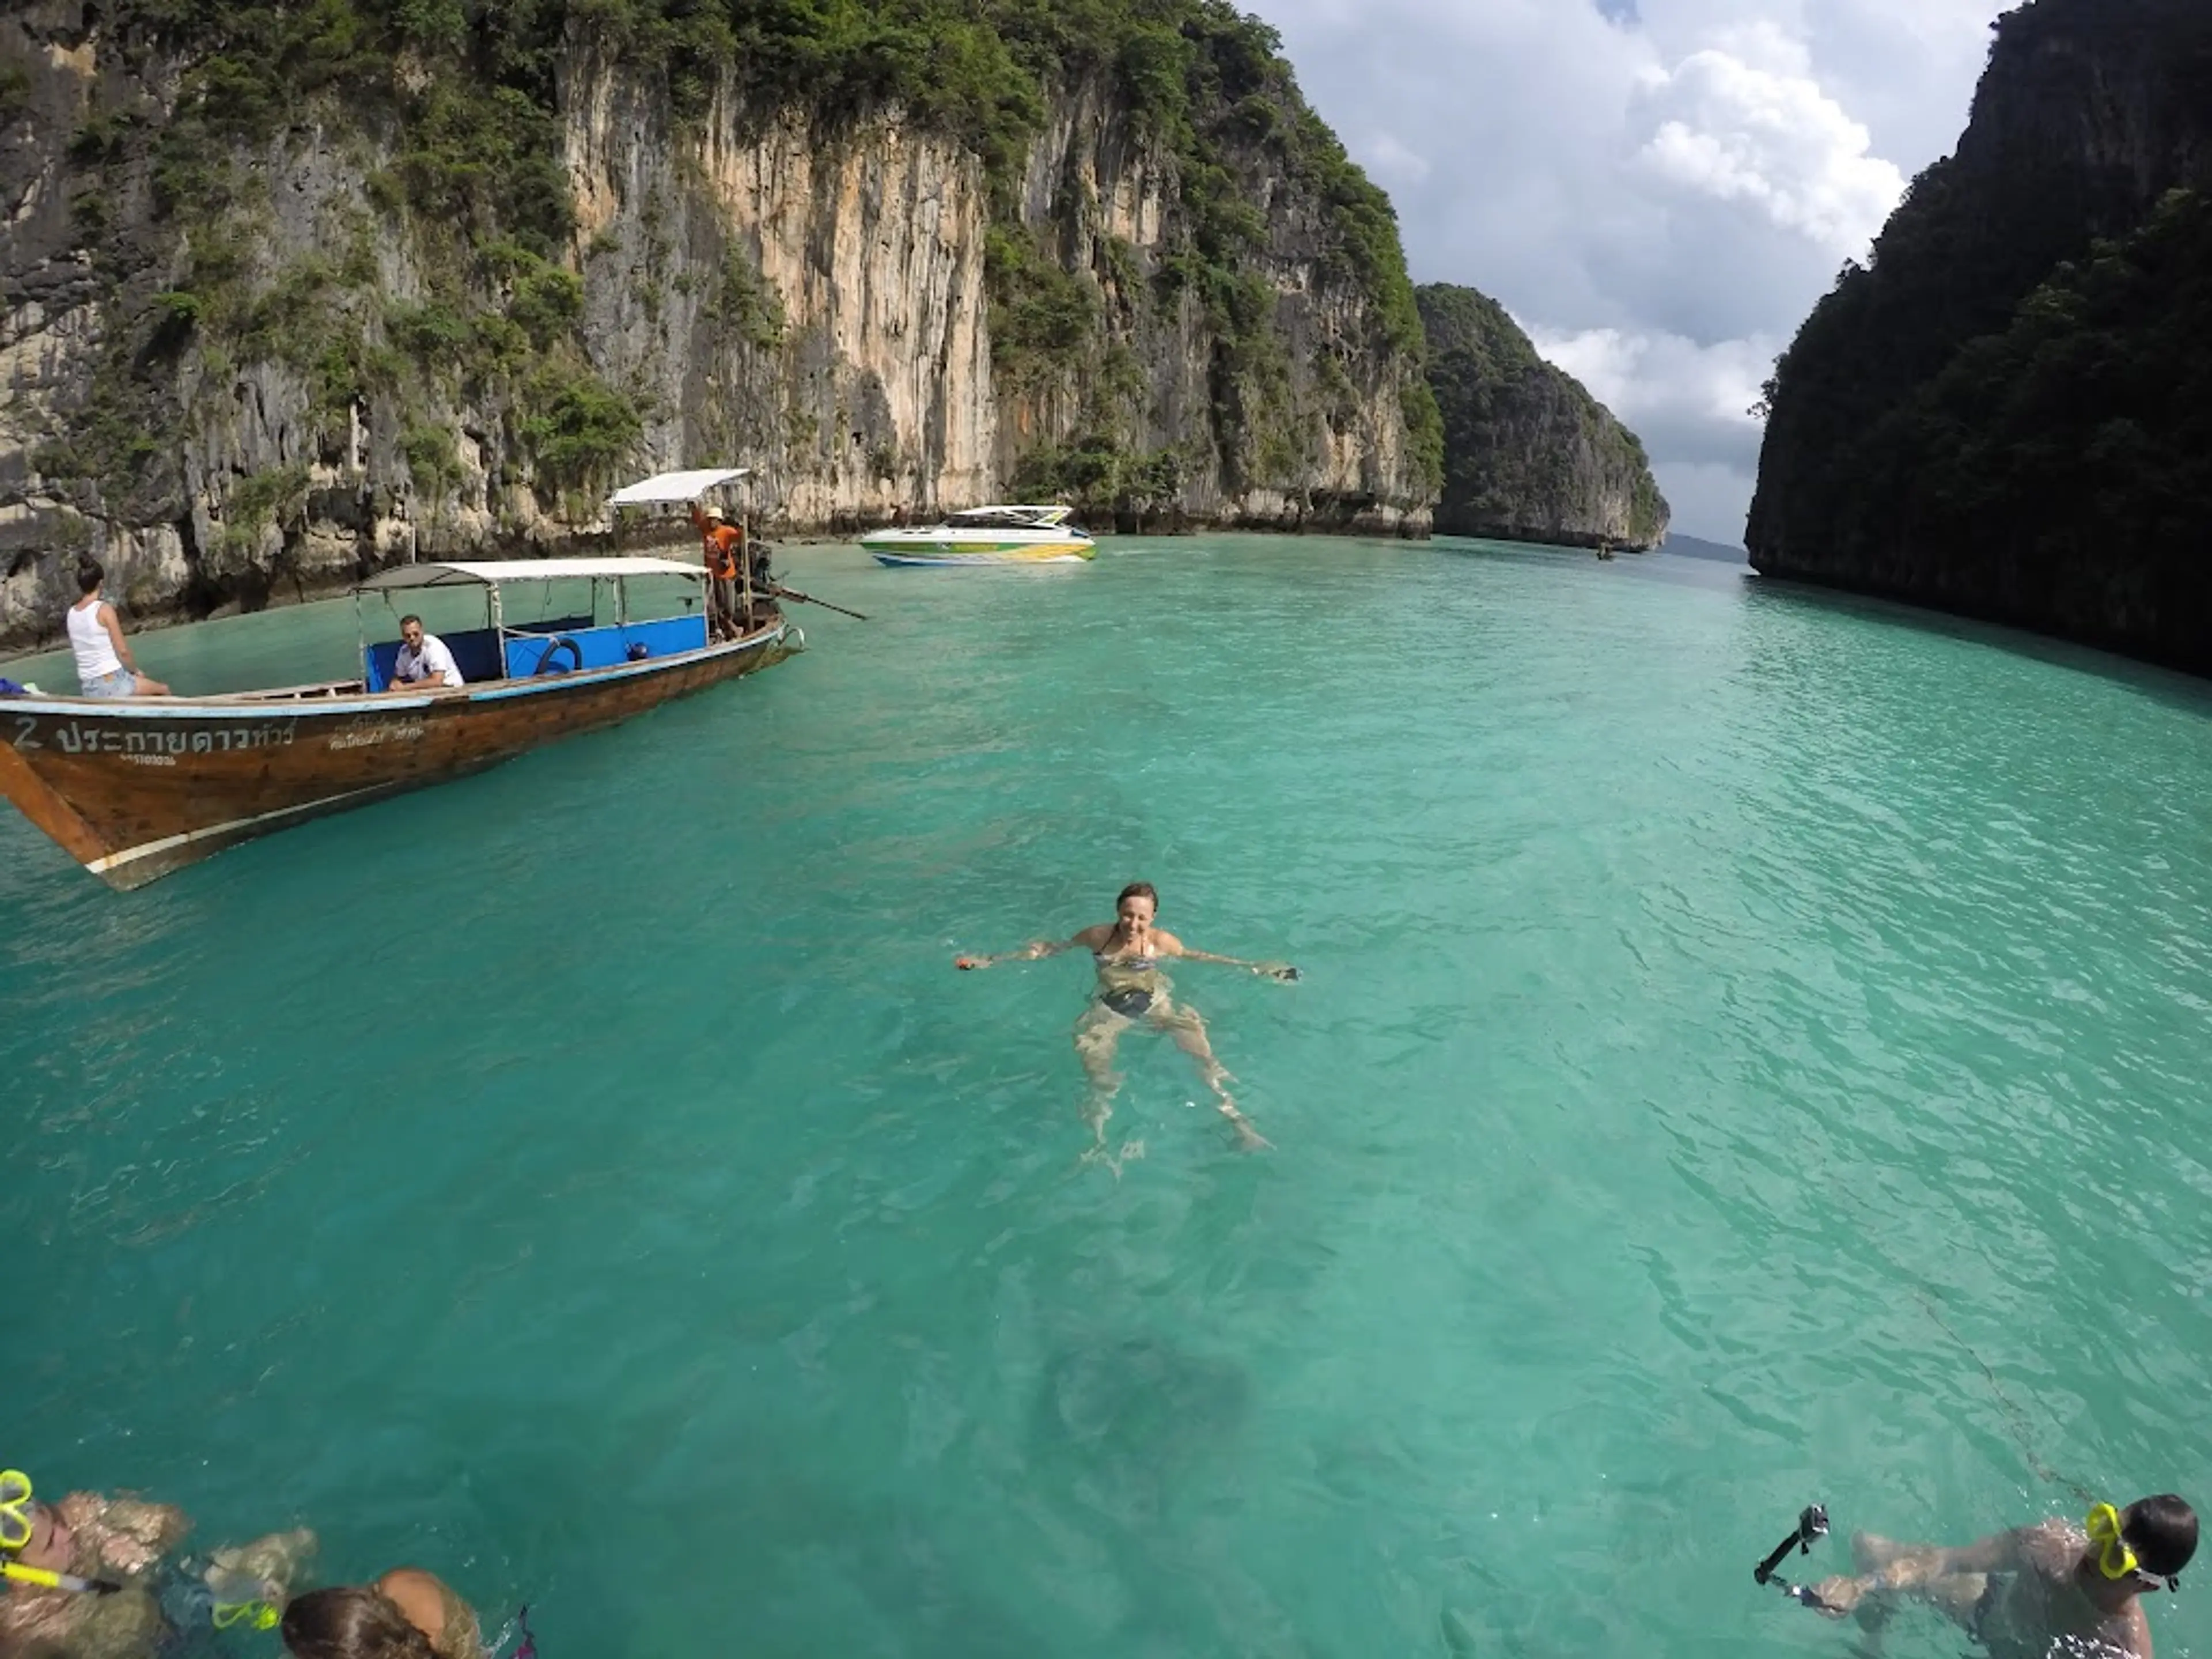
[
  {"x": 291, "y": 290},
  {"x": 1529, "y": 455},
  {"x": 2008, "y": 411}
]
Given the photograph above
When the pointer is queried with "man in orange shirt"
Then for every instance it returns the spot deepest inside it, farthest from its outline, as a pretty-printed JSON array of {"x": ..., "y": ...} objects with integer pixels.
[{"x": 725, "y": 545}]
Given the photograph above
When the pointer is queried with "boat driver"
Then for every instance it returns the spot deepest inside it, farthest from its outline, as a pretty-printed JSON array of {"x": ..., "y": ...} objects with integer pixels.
[{"x": 725, "y": 545}]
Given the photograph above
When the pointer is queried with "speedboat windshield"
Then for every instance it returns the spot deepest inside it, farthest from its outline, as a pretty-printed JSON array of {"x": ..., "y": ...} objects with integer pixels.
[{"x": 1004, "y": 517}]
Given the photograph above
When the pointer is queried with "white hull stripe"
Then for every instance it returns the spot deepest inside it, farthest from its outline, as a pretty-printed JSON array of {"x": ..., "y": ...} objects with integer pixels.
[
  {"x": 978, "y": 558},
  {"x": 214, "y": 709},
  {"x": 147, "y": 849}
]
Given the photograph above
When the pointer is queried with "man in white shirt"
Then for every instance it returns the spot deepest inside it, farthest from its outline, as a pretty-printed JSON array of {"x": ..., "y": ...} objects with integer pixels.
[{"x": 424, "y": 663}]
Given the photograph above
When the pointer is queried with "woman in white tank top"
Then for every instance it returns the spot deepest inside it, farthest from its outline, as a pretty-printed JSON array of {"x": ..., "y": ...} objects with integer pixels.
[{"x": 103, "y": 666}]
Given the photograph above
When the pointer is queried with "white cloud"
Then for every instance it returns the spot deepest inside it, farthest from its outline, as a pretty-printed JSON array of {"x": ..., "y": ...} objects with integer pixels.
[
  {"x": 1390, "y": 163},
  {"x": 1638, "y": 376},
  {"x": 1690, "y": 404},
  {"x": 1740, "y": 132},
  {"x": 1761, "y": 43},
  {"x": 1662, "y": 194}
]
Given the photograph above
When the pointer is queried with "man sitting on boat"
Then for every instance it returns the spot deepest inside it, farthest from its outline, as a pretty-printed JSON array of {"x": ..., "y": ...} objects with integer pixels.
[
  {"x": 725, "y": 545},
  {"x": 422, "y": 658}
]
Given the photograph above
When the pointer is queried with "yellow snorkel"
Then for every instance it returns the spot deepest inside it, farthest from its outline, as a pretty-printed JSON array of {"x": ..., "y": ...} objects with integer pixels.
[{"x": 17, "y": 1527}]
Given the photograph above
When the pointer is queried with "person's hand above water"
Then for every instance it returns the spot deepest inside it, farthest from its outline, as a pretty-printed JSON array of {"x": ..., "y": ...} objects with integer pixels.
[
  {"x": 131, "y": 1533},
  {"x": 1838, "y": 1596},
  {"x": 261, "y": 1571}
]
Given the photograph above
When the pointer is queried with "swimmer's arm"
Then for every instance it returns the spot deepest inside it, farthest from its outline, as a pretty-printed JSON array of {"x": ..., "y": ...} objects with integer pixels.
[
  {"x": 1035, "y": 949},
  {"x": 1911, "y": 1571},
  {"x": 2003, "y": 1551},
  {"x": 1174, "y": 947}
]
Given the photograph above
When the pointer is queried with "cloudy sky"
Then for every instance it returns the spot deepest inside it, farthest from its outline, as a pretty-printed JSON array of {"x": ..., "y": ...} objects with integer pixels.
[{"x": 1658, "y": 189}]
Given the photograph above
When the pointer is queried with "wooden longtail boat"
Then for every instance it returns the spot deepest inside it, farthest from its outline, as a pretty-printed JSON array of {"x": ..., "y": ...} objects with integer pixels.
[{"x": 135, "y": 788}]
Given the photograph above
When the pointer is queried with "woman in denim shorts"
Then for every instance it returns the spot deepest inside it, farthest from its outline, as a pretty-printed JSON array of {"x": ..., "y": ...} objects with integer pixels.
[{"x": 104, "y": 665}]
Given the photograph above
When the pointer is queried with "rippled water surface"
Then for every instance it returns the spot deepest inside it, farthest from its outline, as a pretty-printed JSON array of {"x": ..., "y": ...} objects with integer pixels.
[{"x": 1752, "y": 1049}]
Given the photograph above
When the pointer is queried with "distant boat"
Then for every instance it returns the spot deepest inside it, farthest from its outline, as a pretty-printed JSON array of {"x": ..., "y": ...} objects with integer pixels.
[
  {"x": 135, "y": 788},
  {"x": 987, "y": 535}
]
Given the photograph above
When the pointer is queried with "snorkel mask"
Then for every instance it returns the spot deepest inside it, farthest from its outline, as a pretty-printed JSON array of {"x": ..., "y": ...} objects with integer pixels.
[
  {"x": 236, "y": 1596},
  {"x": 16, "y": 1527},
  {"x": 2115, "y": 1559},
  {"x": 260, "y": 1614}
]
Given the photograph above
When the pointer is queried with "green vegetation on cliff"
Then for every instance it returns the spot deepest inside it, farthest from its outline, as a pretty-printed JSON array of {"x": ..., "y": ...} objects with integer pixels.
[
  {"x": 2072, "y": 444},
  {"x": 2004, "y": 411},
  {"x": 1193, "y": 73},
  {"x": 1529, "y": 453},
  {"x": 469, "y": 93}
]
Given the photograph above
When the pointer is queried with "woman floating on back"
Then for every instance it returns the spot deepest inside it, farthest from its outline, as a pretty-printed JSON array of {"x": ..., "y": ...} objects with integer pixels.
[{"x": 1132, "y": 989}]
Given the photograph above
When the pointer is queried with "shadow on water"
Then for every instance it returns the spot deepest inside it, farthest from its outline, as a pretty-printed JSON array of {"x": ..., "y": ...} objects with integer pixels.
[
  {"x": 1147, "y": 1439},
  {"x": 1134, "y": 1415},
  {"x": 1676, "y": 570},
  {"x": 2170, "y": 686},
  {"x": 777, "y": 1550}
]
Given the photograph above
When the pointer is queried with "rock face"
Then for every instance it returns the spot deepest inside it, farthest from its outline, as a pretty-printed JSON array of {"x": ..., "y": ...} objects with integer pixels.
[
  {"x": 291, "y": 292},
  {"x": 1529, "y": 455},
  {"x": 2008, "y": 413}
]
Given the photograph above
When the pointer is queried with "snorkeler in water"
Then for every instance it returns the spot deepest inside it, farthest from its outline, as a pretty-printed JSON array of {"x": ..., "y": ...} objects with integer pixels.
[
  {"x": 2053, "y": 1588},
  {"x": 1132, "y": 990},
  {"x": 408, "y": 1613},
  {"x": 87, "y": 1575}
]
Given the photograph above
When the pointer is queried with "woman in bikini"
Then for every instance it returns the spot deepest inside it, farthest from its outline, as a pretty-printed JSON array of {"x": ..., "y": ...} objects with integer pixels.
[{"x": 1133, "y": 989}]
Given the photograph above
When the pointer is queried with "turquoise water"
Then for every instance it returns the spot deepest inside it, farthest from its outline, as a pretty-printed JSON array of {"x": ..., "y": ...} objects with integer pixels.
[{"x": 1751, "y": 1050}]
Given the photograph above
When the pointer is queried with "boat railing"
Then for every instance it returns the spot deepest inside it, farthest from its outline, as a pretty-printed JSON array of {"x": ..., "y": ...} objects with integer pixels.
[
  {"x": 502, "y": 649},
  {"x": 541, "y": 649}
]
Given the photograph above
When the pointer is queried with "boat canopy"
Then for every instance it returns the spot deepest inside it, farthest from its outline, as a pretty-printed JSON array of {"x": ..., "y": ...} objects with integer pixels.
[
  {"x": 664, "y": 488},
  {"x": 497, "y": 573}
]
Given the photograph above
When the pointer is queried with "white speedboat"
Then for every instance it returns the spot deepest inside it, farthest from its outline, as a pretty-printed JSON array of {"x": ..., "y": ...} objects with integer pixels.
[{"x": 987, "y": 535}]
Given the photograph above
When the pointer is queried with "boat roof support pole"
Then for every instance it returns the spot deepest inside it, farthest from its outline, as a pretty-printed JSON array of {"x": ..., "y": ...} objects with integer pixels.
[{"x": 745, "y": 563}]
